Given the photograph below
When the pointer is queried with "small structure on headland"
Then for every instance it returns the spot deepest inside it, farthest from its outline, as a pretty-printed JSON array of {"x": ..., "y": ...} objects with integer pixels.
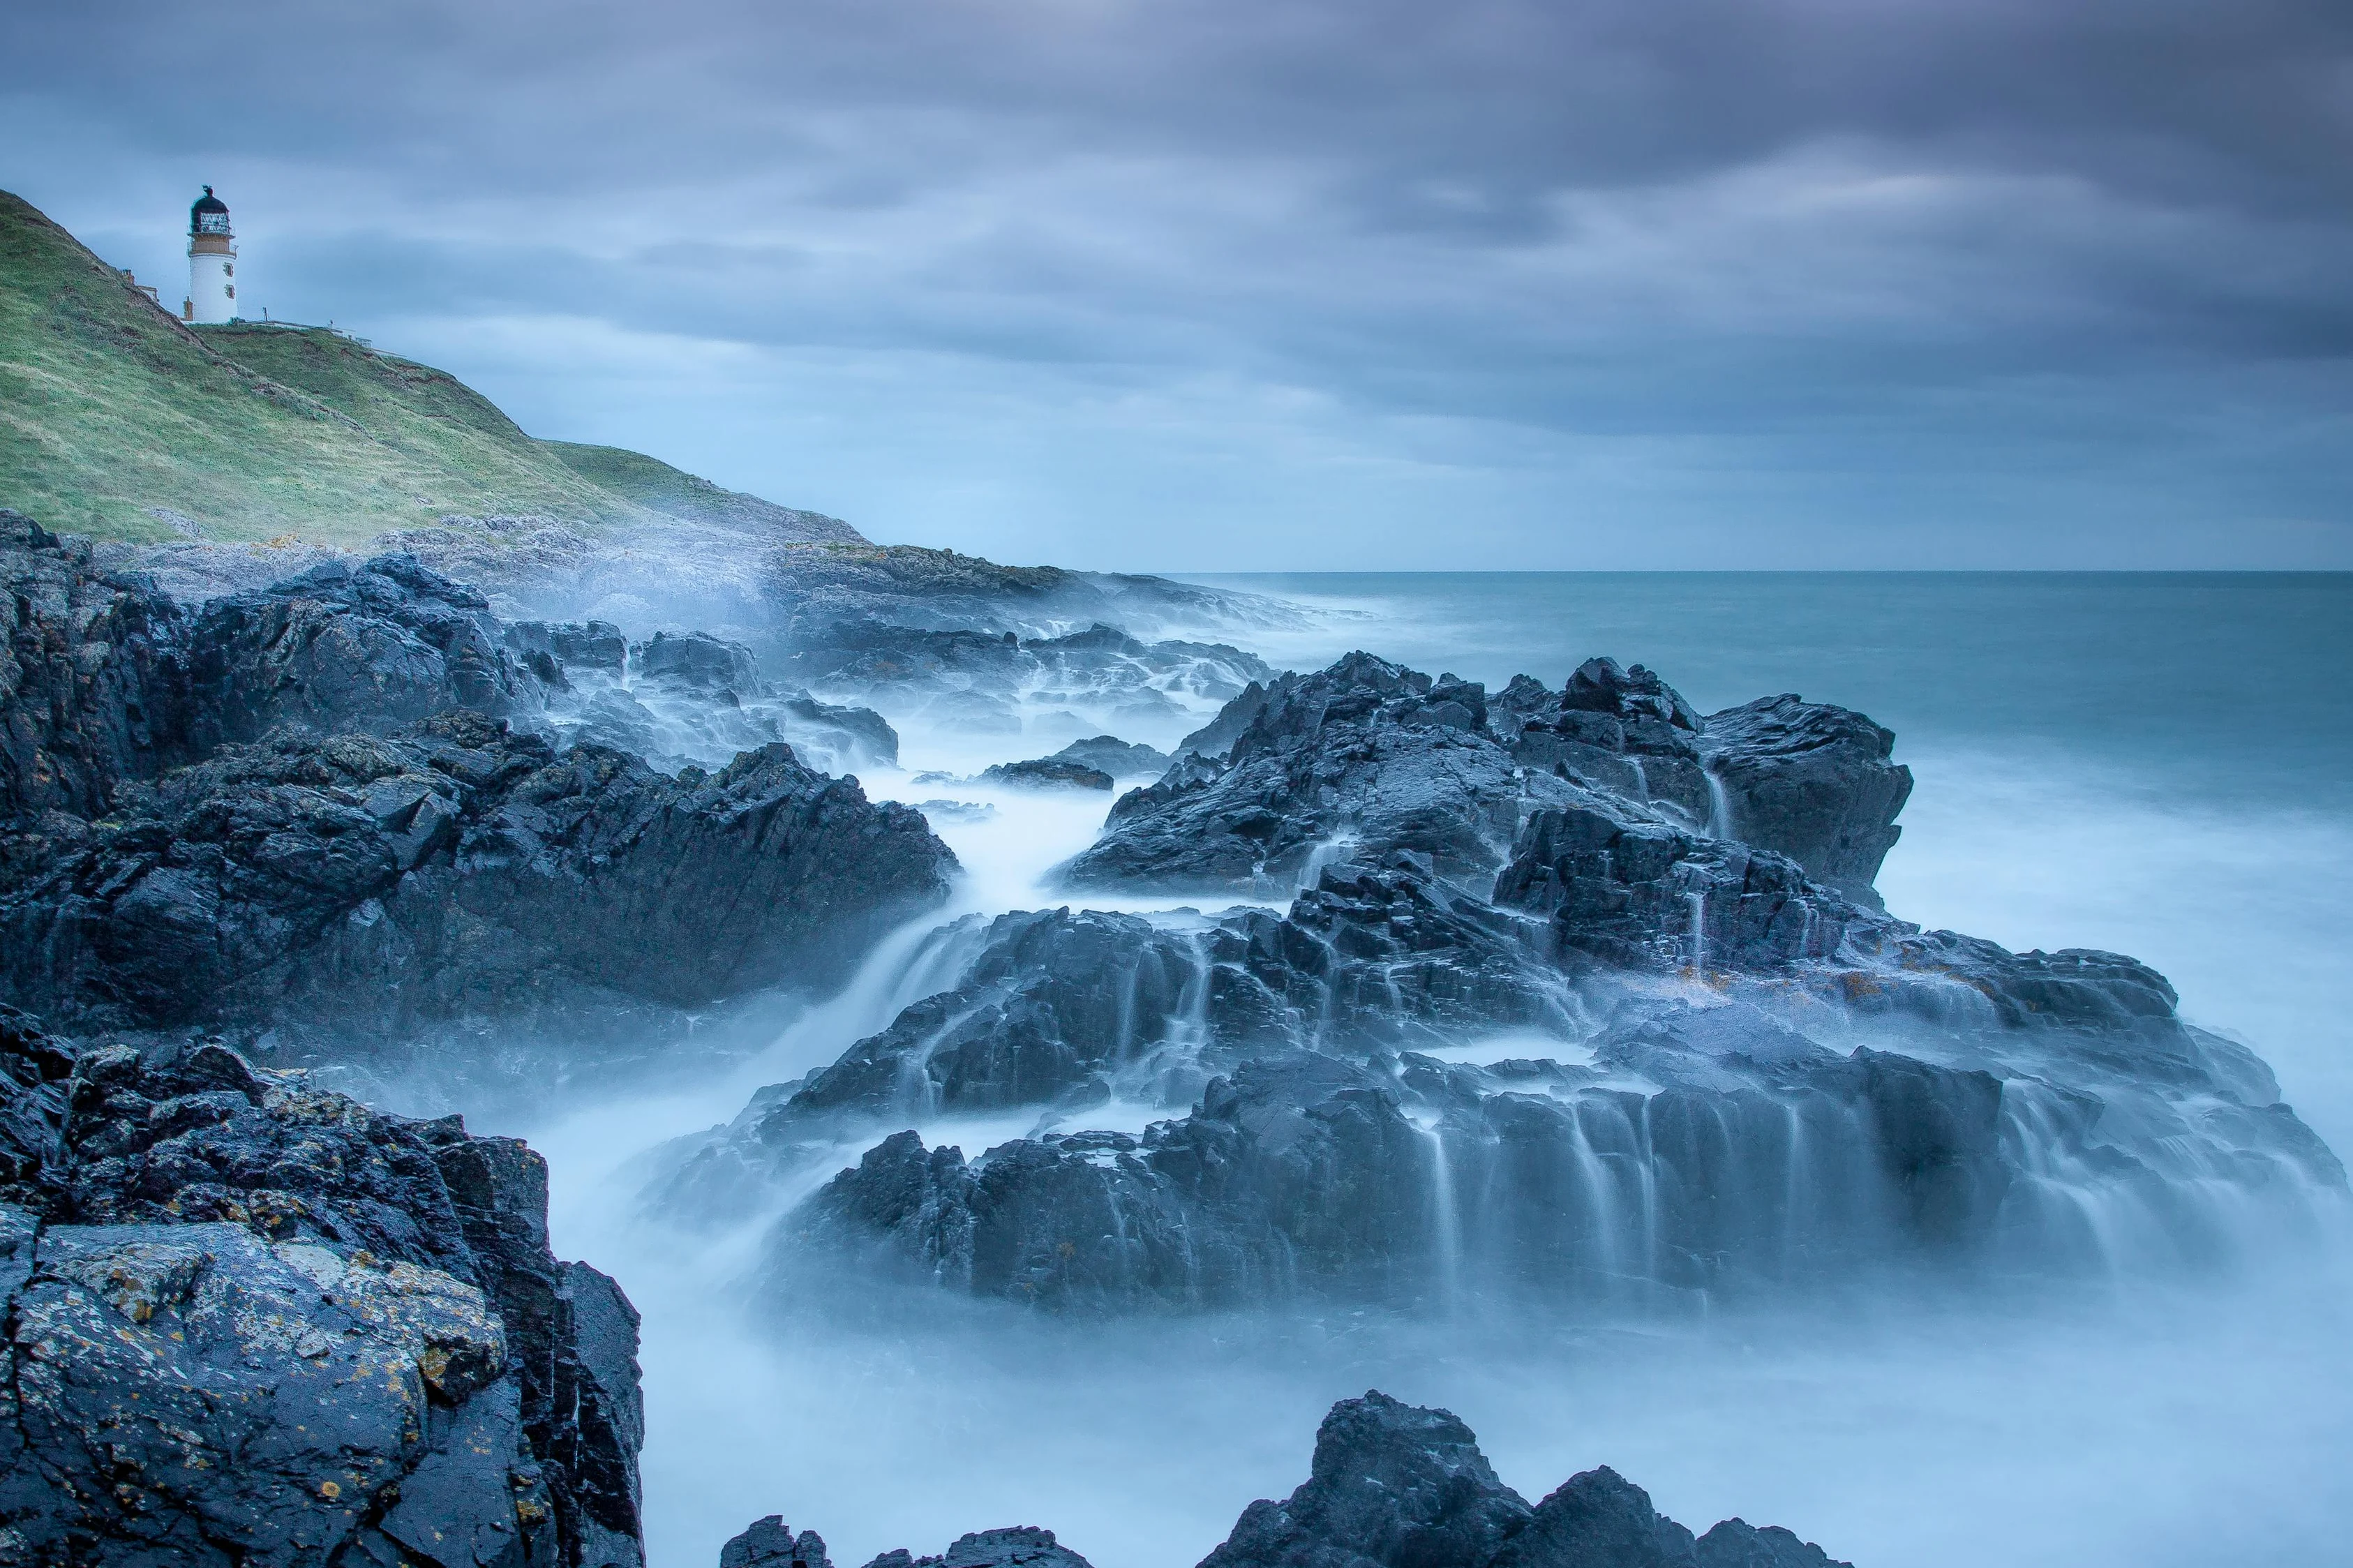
[{"x": 212, "y": 262}]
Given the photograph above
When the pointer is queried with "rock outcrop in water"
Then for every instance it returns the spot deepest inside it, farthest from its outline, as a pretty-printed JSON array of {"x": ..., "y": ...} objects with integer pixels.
[
  {"x": 1368, "y": 758},
  {"x": 454, "y": 868},
  {"x": 357, "y": 872},
  {"x": 1811, "y": 782},
  {"x": 1391, "y": 1486},
  {"x": 1723, "y": 1077},
  {"x": 1400, "y": 1486},
  {"x": 1361, "y": 759},
  {"x": 252, "y": 1321}
]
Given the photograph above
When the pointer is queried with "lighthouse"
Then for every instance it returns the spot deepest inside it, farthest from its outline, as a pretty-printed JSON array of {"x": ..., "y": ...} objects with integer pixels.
[{"x": 212, "y": 262}]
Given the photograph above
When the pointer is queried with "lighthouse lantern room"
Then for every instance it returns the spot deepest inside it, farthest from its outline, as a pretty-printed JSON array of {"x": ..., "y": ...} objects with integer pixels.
[{"x": 212, "y": 262}]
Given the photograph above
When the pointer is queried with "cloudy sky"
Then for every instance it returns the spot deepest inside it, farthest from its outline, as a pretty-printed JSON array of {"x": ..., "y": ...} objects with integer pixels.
[{"x": 1311, "y": 283}]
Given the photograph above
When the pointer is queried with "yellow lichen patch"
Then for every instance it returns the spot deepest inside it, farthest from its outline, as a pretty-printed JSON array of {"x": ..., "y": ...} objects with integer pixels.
[{"x": 331, "y": 1490}]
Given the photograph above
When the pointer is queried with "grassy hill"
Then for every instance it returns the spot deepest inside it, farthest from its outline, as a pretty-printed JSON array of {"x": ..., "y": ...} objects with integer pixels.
[{"x": 118, "y": 421}]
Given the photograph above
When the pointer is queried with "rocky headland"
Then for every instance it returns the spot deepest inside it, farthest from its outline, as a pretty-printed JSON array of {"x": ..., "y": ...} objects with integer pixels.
[{"x": 342, "y": 810}]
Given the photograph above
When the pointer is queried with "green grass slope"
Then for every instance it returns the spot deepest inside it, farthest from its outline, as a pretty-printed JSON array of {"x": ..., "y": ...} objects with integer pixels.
[{"x": 112, "y": 411}]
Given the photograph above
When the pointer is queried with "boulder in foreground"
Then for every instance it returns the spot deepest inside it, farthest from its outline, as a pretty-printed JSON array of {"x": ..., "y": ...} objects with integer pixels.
[{"x": 253, "y": 1323}]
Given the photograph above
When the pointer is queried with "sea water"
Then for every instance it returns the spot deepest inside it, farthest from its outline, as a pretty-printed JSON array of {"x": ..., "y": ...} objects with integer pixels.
[{"x": 2160, "y": 765}]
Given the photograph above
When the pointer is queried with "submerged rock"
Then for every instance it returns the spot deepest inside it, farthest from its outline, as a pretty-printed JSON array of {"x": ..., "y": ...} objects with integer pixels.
[{"x": 252, "y": 1321}]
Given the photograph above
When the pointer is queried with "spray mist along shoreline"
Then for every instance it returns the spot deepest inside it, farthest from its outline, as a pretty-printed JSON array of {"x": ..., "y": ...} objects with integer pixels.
[{"x": 1383, "y": 1016}]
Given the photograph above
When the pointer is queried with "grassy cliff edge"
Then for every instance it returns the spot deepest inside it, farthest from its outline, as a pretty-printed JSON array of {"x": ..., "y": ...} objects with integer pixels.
[{"x": 120, "y": 422}]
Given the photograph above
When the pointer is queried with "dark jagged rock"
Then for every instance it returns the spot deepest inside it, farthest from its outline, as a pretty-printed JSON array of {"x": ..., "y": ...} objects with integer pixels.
[
  {"x": 1875, "y": 1096},
  {"x": 1065, "y": 1011},
  {"x": 770, "y": 1544},
  {"x": 1715, "y": 1148},
  {"x": 1048, "y": 773},
  {"x": 1622, "y": 730},
  {"x": 818, "y": 588},
  {"x": 1764, "y": 1158},
  {"x": 1804, "y": 780},
  {"x": 697, "y": 661},
  {"x": 93, "y": 681},
  {"x": 1110, "y": 754},
  {"x": 252, "y": 1321},
  {"x": 1640, "y": 893},
  {"x": 1019, "y": 1546},
  {"x": 1366, "y": 756},
  {"x": 340, "y": 647},
  {"x": 1813, "y": 782},
  {"x": 580, "y": 645},
  {"x": 1399, "y": 1486},
  {"x": 457, "y": 868},
  {"x": 1392, "y": 1485}
]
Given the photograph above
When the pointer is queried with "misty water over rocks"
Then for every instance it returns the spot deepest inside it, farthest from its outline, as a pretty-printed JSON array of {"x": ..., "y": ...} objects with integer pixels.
[
  {"x": 2107, "y": 1419},
  {"x": 1497, "y": 1027}
]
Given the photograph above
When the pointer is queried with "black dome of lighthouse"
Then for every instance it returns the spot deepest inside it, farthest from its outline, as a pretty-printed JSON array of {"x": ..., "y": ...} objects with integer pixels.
[{"x": 208, "y": 205}]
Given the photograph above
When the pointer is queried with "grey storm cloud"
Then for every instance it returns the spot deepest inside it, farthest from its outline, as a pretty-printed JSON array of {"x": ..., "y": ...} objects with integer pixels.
[{"x": 1794, "y": 282}]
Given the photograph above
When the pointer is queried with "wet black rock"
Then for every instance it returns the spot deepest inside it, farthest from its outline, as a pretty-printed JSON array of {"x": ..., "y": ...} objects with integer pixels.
[
  {"x": 1718, "y": 1147},
  {"x": 579, "y": 645},
  {"x": 1110, "y": 754},
  {"x": 455, "y": 868},
  {"x": 1391, "y": 1484},
  {"x": 770, "y": 1544},
  {"x": 94, "y": 679},
  {"x": 340, "y": 646},
  {"x": 1811, "y": 782},
  {"x": 1018, "y": 1546},
  {"x": 1360, "y": 761},
  {"x": 253, "y": 1321},
  {"x": 1065, "y": 1011},
  {"x": 1048, "y": 773},
  {"x": 1764, "y": 1159},
  {"x": 1622, "y": 730},
  {"x": 1636, "y": 893},
  {"x": 816, "y": 589},
  {"x": 1399, "y": 1486},
  {"x": 697, "y": 661}
]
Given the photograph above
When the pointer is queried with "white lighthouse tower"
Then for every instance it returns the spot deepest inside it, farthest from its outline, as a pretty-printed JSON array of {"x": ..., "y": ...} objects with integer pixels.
[{"x": 212, "y": 262}]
